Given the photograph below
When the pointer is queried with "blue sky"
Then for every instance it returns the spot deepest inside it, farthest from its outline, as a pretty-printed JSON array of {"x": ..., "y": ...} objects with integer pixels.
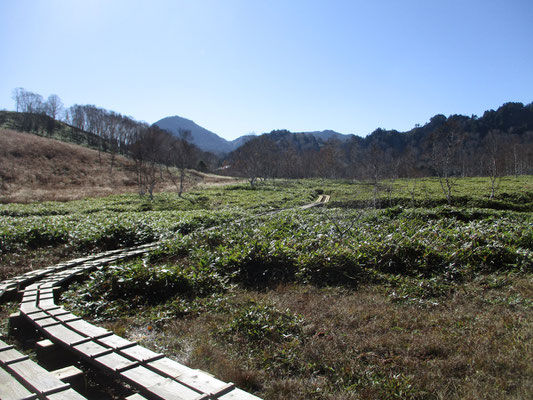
[{"x": 241, "y": 66}]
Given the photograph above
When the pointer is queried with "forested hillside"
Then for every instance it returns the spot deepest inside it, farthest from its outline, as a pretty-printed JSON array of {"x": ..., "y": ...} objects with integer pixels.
[
  {"x": 97, "y": 153},
  {"x": 498, "y": 143}
]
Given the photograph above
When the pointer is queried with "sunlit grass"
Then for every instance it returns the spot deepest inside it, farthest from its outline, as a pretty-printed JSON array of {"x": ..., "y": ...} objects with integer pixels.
[{"x": 416, "y": 299}]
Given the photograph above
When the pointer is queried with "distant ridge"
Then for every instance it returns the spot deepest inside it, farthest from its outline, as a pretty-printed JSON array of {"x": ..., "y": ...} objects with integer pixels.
[
  {"x": 210, "y": 141},
  {"x": 201, "y": 137},
  {"x": 328, "y": 135}
]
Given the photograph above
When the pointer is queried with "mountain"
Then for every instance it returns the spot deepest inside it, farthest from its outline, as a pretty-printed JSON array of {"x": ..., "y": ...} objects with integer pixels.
[
  {"x": 241, "y": 140},
  {"x": 210, "y": 141},
  {"x": 201, "y": 137},
  {"x": 498, "y": 143},
  {"x": 328, "y": 135}
]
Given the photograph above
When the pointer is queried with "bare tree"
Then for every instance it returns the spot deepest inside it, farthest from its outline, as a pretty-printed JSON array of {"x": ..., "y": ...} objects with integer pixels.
[
  {"x": 183, "y": 155},
  {"x": 256, "y": 159},
  {"x": 493, "y": 164},
  {"x": 28, "y": 102},
  {"x": 355, "y": 158},
  {"x": 113, "y": 135},
  {"x": 374, "y": 162},
  {"x": 17, "y": 96},
  {"x": 329, "y": 156},
  {"x": 53, "y": 106},
  {"x": 77, "y": 116},
  {"x": 444, "y": 153},
  {"x": 146, "y": 151}
]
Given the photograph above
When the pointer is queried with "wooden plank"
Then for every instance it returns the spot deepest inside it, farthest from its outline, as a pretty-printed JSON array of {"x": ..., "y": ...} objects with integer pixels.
[
  {"x": 68, "y": 373},
  {"x": 4, "y": 345},
  {"x": 43, "y": 323},
  {"x": 11, "y": 389},
  {"x": 45, "y": 295},
  {"x": 47, "y": 304},
  {"x": 87, "y": 329},
  {"x": 36, "y": 377},
  {"x": 116, "y": 342},
  {"x": 67, "y": 317},
  {"x": 136, "y": 396},
  {"x": 188, "y": 376},
  {"x": 140, "y": 353},
  {"x": 170, "y": 368},
  {"x": 60, "y": 280},
  {"x": 10, "y": 356},
  {"x": 39, "y": 315},
  {"x": 222, "y": 391},
  {"x": 40, "y": 272},
  {"x": 69, "y": 394},
  {"x": 63, "y": 334},
  {"x": 45, "y": 349},
  {"x": 79, "y": 260},
  {"x": 115, "y": 362},
  {"x": 91, "y": 349},
  {"x": 46, "y": 291},
  {"x": 163, "y": 388},
  {"x": 28, "y": 308},
  {"x": 236, "y": 394},
  {"x": 57, "y": 311}
]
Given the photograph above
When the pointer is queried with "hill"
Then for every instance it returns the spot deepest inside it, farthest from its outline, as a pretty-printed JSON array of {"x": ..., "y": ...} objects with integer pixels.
[
  {"x": 328, "y": 135},
  {"x": 210, "y": 141},
  {"x": 36, "y": 168},
  {"x": 498, "y": 143},
  {"x": 43, "y": 125},
  {"x": 201, "y": 137}
]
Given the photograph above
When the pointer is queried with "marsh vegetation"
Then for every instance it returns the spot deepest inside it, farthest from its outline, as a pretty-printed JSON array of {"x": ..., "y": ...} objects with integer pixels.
[{"x": 411, "y": 299}]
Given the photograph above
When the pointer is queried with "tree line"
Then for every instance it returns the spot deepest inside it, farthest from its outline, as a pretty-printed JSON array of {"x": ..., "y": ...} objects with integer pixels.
[
  {"x": 500, "y": 143},
  {"x": 157, "y": 154}
]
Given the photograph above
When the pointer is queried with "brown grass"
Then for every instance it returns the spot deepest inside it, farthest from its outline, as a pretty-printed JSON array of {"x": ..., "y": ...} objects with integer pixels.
[
  {"x": 362, "y": 345},
  {"x": 34, "y": 168}
]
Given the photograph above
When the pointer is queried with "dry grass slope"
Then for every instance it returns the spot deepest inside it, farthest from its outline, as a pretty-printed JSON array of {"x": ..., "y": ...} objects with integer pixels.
[{"x": 34, "y": 168}]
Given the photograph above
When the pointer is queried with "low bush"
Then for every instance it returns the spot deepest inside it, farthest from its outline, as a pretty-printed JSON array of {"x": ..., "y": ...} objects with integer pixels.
[
  {"x": 265, "y": 323},
  {"x": 127, "y": 287}
]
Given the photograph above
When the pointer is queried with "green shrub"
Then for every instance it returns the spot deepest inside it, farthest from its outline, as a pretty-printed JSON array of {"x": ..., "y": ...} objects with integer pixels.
[{"x": 261, "y": 323}]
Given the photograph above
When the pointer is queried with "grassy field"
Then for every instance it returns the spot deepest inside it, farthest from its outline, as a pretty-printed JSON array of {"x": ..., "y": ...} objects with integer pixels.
[{"x": 413, "y": 299}]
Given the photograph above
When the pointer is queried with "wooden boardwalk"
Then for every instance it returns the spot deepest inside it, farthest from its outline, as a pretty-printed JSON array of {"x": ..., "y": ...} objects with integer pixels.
[
  {"x": 153, "y": 375},
  {"x": 21, "y": 378},
  {"x": 322, "y": 199}
]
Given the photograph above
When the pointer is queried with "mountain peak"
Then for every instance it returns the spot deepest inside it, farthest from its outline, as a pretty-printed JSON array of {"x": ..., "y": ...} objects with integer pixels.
[
  {"x": 210, "y": 141},
  {"x": 201, "y": 137}
]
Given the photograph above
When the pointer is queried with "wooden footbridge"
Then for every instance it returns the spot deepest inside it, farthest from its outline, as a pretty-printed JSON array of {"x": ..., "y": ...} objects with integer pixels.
[
  {"x": 152, "y": 375},
  {"x": 322, "y": 199}
]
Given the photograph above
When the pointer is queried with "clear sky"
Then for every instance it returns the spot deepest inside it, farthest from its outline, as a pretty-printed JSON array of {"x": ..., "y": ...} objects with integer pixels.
[{"x": 241, "y": 66}]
